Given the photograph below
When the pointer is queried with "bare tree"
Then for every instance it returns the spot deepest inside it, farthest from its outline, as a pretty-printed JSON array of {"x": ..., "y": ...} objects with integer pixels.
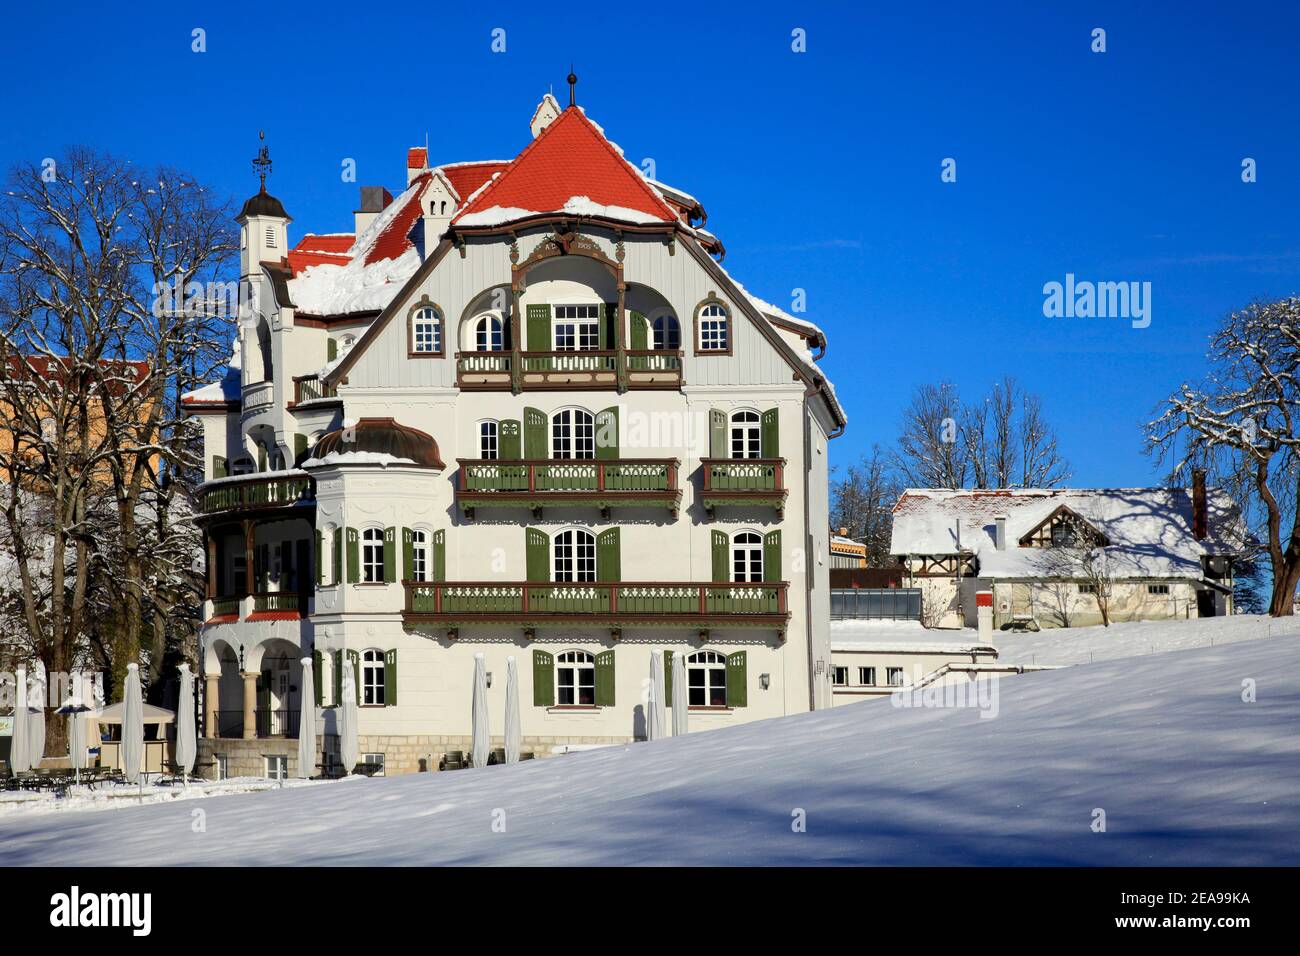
[
  {"x": 929, "y": 454},
  {"x": 863, "y": 502},
  {"x": 1081, "y": 558},
  {"x": 1240, "y": 424}
]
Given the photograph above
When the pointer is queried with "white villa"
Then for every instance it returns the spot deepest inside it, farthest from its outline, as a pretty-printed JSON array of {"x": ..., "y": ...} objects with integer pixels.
[
  {"x": 521, "y": 410},
  {"x": 1050, "y": 556}
]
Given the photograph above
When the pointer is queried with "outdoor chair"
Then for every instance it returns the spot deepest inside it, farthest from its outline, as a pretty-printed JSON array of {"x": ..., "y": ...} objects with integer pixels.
[{"x": 454, "y": 760}]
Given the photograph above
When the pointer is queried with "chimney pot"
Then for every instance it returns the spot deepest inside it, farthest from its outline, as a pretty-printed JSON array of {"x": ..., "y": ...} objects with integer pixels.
[{"x": 1000, "y": 532}]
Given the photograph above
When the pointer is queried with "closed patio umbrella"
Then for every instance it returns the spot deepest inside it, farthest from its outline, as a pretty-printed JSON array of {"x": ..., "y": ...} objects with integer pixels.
[
  {"x": 512, "y": 711},
  {"x": 679, "y": 695},
  {"x": 36, "y": 721},
  {"x": 19, "y": 762},
  {"x": 186, "y": 745},
  {"x": 656, "y": 718},
  {"x": 132, "y": 725},
  {"x": 307, "y": 723},
  {"x": 479, "y": 741},
  {"x": 349, "y": 750},
  {"x": 75, "y": 708}
]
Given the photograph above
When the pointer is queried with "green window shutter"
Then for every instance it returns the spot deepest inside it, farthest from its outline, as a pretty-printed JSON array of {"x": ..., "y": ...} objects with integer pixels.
[
  {"x": 317, "y": 675},
  {"x": 354, "y": 556},
  {"x": 390, "y": 555},
  {"x": 737, "y": 680},
  {"x": 537, "y": 554},
  {"x": 718, "y": 434},
  {"x": 338, "y": 678},
  {"x": 539, "y": 328},
  {"x": 331, "y": 349},
  {"x": 608, "y": 560},
  {"x": 606, "y": 424},
  {"x": 408, "y": 554},
  {"x": 508, "y": 440},
  {"x": 721, "y": 556},
  {"x": 320, "y": 553},
  {"x": 605, "y": 679},
  {"x": 438, "y": 572},
  {"x": 390, "y": 677},
  {"x": 772, "y": 556},
  {"x": 638, "y": 332},
  {"x": 299, "y": 449},
  {"x": 220, "y": 467},
  {"x": 336, "y": 559},
  {"x": 543, "y": 679},
  {"x": 668, "y": 678},
  {"x": 354, "y": 659},
  {"x": 535, "y": 444},
  {"x": 770, "y": 434}
]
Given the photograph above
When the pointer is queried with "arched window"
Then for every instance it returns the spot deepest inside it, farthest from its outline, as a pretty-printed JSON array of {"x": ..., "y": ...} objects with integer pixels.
[
  {"x": 372, "y": 677},
  {"x": 419, "y": 554},
  {"x": 489, "y": 440},
  {"x": 489, "y": 334},
  {"x": 747, "y": 556},
  {"x": 575, "y": 679},
  {"x": 372, "y": 555},
  {"x": 575, "y": 556},
  {"x": 573, "y": 434},
  {"x": 706, "y": 679},
  {"x": 426, "y": 331},
  {"x": 345, "y": 344},
  {"x": 714, "y": 326},
  {"x": 746, "y": 435},
  {"x": 665, "y": 332}
]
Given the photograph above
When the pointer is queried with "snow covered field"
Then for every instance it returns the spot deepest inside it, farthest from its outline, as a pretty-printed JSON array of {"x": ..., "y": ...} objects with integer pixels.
[{"x": 1185, "y": 771}]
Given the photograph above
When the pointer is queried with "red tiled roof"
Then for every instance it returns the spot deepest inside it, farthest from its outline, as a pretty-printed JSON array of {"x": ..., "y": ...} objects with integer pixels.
[
  {"x": 393, "y": 241},
  {"x": 570, "y": 158},
  {"x": 466, "y": 178},
  {"x": 320, "y": 250},
  {"x": 417, "y": 157}
]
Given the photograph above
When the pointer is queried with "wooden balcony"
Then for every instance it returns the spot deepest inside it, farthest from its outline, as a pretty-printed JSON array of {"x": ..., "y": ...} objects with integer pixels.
[
  {"x": 536, "y": 484},
  {"x": 605, "y": 604},
  {"x": 603, "y": 369},
  {"x": 260, "y": 492},
  {"x": 310, "y": 388},
  {"x": 743, "y": 481}
]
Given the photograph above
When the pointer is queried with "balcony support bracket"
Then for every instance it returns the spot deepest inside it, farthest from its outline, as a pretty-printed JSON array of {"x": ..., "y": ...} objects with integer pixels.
[
  {"x": 615, "y": 633},
  {"x": 704, "y": 635},
  {"x": 453, "y": 633},
  {"x": 530, "y": 634}
]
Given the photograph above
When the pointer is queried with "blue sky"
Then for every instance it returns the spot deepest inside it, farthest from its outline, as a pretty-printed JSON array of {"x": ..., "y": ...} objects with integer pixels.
[{"x": 820, "y": 170}]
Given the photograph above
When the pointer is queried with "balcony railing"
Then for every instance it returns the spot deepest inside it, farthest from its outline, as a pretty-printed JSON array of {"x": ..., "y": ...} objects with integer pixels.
[
  {"x": 225, "y": 606},
  {"x": 603, "y": 368},
  {"x": 230, "y": 723},
  {"x": 743, "y": 481},
  {"x": 256, "y": 492},
  {"x": 648, "y": 604},
  {"x": 256, "y": 397},
  {"x": 277, "y": 601},
  {"x": 538, "y": 482},
  {"x": 310, "y": 388},
  {"x": 277, "y": 723}
]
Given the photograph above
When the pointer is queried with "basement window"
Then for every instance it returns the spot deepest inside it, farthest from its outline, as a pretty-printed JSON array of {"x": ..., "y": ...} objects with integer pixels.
[{"x": 1157, "y": 589}]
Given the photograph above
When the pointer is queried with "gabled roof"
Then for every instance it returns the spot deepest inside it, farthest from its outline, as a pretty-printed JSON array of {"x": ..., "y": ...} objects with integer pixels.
[
  {"x": 1098, "y": 538},
  {"x": 569, "y": 168}
]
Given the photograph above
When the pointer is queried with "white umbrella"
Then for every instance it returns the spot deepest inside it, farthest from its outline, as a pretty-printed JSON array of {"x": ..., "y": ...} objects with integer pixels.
[
  {"x": 74, "y": 708},
  {"x": 19, "y": 761},
  {"x": 656, "y": 720},
  {"x": 36, "y": 720},
  {"x": 186, "y": 745},
  {"x": 512, "y": 711},
  {"x": 132, "y": 725},
  {"x": 479, "y": 748},
  {"x": 307, "y": 723},
  {"x": 349, "y": 750},
  {"x": 679, "y": 694}
]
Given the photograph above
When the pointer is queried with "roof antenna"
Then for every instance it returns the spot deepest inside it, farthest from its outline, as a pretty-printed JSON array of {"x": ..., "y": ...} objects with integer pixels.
[
  {"x": 573, "y": 81},
  {"x": 262, "y": 164}
]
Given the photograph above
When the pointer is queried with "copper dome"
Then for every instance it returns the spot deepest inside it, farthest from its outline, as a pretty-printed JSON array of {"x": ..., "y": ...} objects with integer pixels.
[{"x": 382, "y": 436}]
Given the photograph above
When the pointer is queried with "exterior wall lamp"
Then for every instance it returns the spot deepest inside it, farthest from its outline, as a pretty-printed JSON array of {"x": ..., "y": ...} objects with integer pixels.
[{"x": 765, "y": 681}]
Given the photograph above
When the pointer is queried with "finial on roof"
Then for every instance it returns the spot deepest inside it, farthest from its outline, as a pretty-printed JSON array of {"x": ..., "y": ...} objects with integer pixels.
[
  {"x": 573, "y": 81},
  {"x": 262, "y": 164}
]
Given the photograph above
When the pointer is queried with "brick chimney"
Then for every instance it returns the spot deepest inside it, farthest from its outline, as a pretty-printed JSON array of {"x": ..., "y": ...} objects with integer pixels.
[
  {"x": 417, "y": 161},
  {"x": 374, "y": 200},
  {"x": 1200, "y": 519}
]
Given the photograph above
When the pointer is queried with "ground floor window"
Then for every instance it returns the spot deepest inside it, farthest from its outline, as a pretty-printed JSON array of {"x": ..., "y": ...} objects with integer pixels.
[
  {"x": 277, "y": 767},
  {"x": 575, "y": 679},
  {"x": 706, "y": 679},
  {"x": 375, "y": 760},
  {"x": 841, "y": 678},
  {"x": 223, "y": 766},
  {"x": 1087, "y": 589},
  {"x": 372, "y": 678},
  {"x": 894, "y": 676},
  {"x": 867, "y": 676},
  {"x": 1157, "y": 589}
]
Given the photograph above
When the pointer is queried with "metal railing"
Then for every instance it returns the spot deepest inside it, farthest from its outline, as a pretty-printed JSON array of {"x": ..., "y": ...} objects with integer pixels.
[
  {"x": 876, "y": 604},
  {"x": 267, "y": 491},
  {"x": 627, "y": 475},
  {"x": 729, "y": 475},
  {"x": 223, "y": 606},
  {"x": 230, "y": 723},
  {"x": 277, "y": 723},
  {"x": 611, "y": 599}
]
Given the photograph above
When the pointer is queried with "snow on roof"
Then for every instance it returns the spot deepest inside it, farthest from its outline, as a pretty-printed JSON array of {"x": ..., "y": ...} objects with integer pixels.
[
  {"x": 226, "y": 390},
  {"x": 908, "y": 637},
  {"x": 1149, "y": 530}
]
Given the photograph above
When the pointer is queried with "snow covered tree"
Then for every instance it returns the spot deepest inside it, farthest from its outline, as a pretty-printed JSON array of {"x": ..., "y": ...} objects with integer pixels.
[{"x": 1240, "y": 424}]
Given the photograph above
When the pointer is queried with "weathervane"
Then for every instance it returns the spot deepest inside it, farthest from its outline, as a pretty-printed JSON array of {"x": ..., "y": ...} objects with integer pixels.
[
  {"x": 573, "y": 81},
  {"x": 262, "y": 164}
]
